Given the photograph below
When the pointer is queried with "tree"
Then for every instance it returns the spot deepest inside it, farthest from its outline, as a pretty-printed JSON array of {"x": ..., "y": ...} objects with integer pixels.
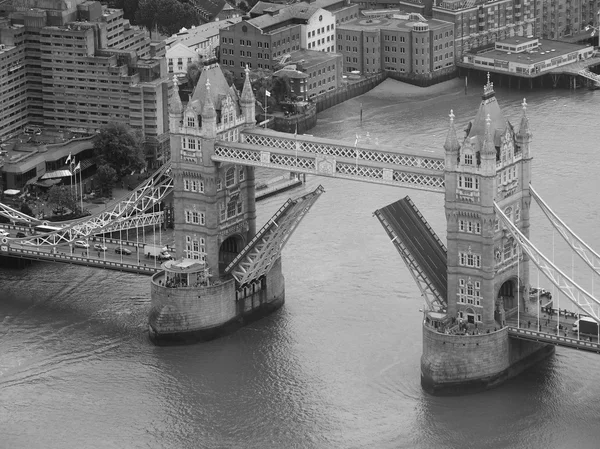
[
  {"x": 194, "y": 70},
  {"x": 26, "y": 209},
  {"x": 228, "y": 74},
  {"x": 282, "y": 88},
  {"x": 106, "y": 177},
  {"x": 120, "y": 147},
  {"x": 167, "y": 16},
  {"x": 62, "y": 198}
]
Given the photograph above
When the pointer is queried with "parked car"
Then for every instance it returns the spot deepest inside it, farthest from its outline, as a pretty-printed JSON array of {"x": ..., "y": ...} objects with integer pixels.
[
  {"x": 124, "y": 251},
  {"x": 81, "y": 244},
  {"x": 4, "y": 233},
  {"x": 99, "y": 247}
]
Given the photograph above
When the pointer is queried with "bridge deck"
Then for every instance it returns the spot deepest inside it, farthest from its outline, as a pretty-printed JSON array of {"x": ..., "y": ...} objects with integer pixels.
[
  {"x": 146, "y": 267},
  {"x": 425, "y": 248},
  {"x": 525, "y": 327}
]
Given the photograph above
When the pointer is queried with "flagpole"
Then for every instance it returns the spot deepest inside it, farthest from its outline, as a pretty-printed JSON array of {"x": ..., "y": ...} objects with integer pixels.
[{"x": 81, "y": 187}]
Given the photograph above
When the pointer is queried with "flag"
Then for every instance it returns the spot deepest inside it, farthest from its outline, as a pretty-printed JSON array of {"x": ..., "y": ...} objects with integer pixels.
[
  {"x": 296, "y": 132},
  {"x": 68, "y": 159},
  {"x": 78, "y": 166},
  {"x": 267, "y": 93}
]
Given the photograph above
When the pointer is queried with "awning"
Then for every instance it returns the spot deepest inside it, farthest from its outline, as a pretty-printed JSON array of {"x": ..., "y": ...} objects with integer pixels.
[
  {"x": 57, "y": 174},
  {"x": 46, "y": 182}
]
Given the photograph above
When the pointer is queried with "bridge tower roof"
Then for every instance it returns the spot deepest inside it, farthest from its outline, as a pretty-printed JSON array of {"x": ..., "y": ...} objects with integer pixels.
[
  {"x": 488, "y": 108},
  {"x": 219, "y": 88}
]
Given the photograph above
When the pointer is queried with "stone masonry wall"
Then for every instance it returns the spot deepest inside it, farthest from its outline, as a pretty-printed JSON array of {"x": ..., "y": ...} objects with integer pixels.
[{"x": 454, "y": 359}]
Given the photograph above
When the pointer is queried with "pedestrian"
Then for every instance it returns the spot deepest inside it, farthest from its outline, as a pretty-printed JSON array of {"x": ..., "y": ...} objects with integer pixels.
[
  {"x": 98, "y": 254},
  {"x": 528, "y": 324}
]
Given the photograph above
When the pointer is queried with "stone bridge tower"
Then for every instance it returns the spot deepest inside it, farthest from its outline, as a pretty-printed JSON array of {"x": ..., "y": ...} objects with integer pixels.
[
  {"x": 487, "y": 275},
  {"x": 215, "y": 218},
  {"x": 215, "y": 211}
]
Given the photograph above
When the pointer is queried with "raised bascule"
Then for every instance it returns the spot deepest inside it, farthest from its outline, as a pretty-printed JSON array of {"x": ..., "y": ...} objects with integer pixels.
[{"x": 227, "y": 273}]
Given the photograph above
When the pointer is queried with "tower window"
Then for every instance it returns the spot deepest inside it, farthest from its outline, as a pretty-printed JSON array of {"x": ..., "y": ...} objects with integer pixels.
[{"x": 230, "y": 177}]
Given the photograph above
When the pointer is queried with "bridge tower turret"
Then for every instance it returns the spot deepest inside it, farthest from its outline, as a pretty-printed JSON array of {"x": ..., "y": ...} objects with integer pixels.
[
  {"x": 175, "y": 107},
  {"x": 214, "y": 214},
  {"x": 248, "y": 101},
  {"x": 487, "y": 276}
]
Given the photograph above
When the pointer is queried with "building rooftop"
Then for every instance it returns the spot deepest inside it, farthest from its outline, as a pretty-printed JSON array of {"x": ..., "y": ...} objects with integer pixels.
[
  {"x": 547, "y": 49},
  {"x": 197, "y": 34},
  {"x": 301, "y": 11},
  {"x": 403, "y": 22},
  {"x": 308, "y": 58}
]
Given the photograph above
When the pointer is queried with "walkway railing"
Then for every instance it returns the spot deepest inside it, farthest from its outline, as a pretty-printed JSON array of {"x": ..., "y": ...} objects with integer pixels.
[
  {"x": 82, "y": 260},
  {"x": 543, "y": 337}
]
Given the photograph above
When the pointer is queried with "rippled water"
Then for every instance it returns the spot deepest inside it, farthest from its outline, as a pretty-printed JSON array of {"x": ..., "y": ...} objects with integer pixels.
[{"x": 338, "y": 365}]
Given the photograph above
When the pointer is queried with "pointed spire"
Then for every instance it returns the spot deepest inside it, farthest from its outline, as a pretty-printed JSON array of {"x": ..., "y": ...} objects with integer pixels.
[
  {"x": 175, "y": 106},
  {"x": 488, "y": 89},
  {"x": 451, "y": 144},
  {"x": 524, "y": 130},
  {"x": 247, "y": 94},
  {"x": 208, "y": 111},
  {"x": 488, "y": 146}
]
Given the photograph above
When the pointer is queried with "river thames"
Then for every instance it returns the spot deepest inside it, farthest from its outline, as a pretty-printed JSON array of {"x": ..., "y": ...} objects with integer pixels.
[{"x": 339, "y": 365}]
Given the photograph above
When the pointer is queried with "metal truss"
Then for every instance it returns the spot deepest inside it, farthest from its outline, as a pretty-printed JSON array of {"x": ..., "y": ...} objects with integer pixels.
[
  {"x": 17, "y": 216},
  {"x": 257, "y": 258},
  {"x": 332, "y": 148},
  {"x": 584, "y": 301},
  {"x": 136, "y": 221},
  {"x": 319, "y": 164},
  {"x": 436, "y": 302},
  {"x": 588, "y": 255},
  {"x": 122, "y": 215}
]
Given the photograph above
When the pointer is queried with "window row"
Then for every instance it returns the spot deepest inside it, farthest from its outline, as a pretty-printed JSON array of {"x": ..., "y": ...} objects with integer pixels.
[
  {"x": 468, "y": 182},
  {"x": 469, "y": 292},
  {"x": 473, "y": 227},
  {"x": 195, "y": 217},
  {"x": 469, "y": 260},
  {"x": 230, "y": 210},
  {"x": 195, "y": 247},
  {"x": 230, "y": 177},
  {"x": 193, "y": 185}
]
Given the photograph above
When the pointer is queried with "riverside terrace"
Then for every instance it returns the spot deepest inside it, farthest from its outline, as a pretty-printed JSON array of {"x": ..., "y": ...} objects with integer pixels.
[
  {"x": 31, "y": 157},
  {"x": 530, "y": 58}
]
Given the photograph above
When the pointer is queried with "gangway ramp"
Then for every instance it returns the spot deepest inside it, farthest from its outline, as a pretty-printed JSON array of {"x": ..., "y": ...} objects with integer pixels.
[
  {"x": 259, "y": 255},
  {"x": 420, "y": 248}
]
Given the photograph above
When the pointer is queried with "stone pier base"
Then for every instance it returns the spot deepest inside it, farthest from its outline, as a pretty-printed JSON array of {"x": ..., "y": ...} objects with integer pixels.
[
  {"x": 194, "y": 314},
  {"x": 459, "y": 364}
]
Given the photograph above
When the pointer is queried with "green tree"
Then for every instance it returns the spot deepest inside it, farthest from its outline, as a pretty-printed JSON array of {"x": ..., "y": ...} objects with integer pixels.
[
  {"x": 228, "y": 74},
  {"x": 282, "y": 88},
  {"x": 194, "y": 70},
  {"x": 168, "y": 16},
  {"x": 106, "y": 177},
  {"x": 62, "y": 198},
  {"x": 120, "y": 147},
  {"x": 26, "y": 209}
]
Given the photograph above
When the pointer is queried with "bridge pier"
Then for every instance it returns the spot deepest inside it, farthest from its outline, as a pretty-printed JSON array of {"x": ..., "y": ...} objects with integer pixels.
[
  {"x": 457, "y": 364},
  {"x": 190, "y": 314}
]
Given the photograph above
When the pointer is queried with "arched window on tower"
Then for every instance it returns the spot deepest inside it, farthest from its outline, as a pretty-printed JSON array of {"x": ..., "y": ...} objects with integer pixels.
[{"x": 230, "y": 177}]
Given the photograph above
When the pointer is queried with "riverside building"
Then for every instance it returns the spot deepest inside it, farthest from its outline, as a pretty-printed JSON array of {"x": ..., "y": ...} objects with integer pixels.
[{"x": 79, "y": 65}]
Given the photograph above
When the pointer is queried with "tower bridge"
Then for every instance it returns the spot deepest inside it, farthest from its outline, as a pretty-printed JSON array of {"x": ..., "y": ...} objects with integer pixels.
[{"x": 226, "y": 272}]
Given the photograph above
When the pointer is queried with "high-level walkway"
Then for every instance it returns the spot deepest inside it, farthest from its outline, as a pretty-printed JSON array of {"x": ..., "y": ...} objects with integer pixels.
[{"x": 419, "y": 246}]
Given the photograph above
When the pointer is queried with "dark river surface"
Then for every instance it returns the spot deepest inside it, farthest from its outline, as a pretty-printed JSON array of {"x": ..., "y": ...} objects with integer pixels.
[{"x": 339, "y": 365}]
